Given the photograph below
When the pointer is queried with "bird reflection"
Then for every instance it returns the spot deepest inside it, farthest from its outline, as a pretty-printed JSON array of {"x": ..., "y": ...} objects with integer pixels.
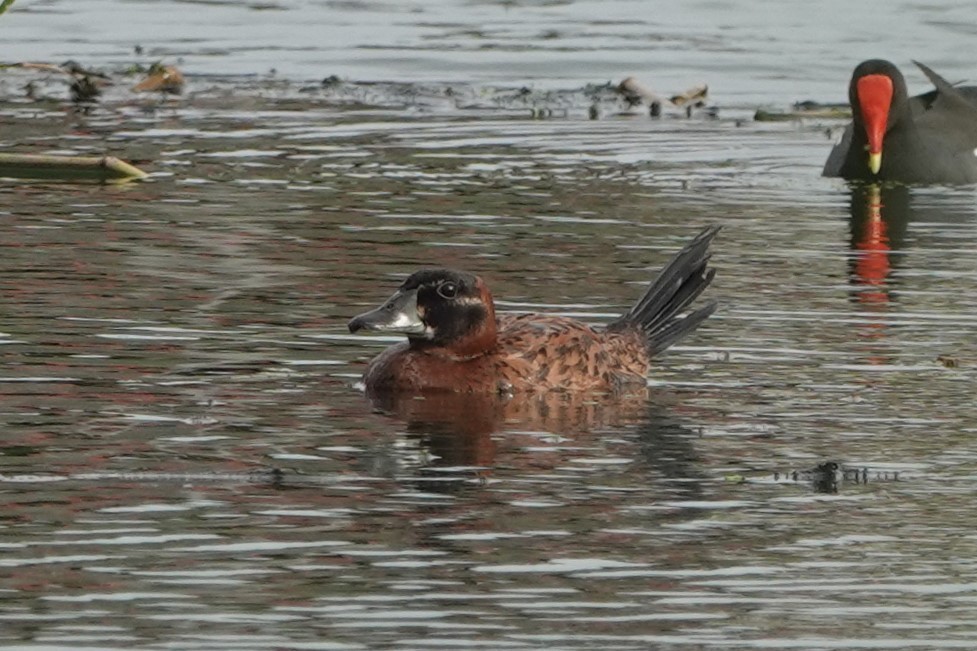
[
  {"x": 879, "y": 216},
  {"x": 482, "y": 431}
]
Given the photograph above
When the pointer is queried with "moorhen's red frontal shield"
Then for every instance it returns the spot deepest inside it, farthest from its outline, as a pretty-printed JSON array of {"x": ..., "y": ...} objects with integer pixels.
[{"x": 875, "y": 97}]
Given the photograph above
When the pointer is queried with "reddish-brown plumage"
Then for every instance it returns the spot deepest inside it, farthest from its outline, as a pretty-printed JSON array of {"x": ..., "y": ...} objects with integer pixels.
[
  {"x": 456, "y": 342},
  {"x": 531, "y": 352}
]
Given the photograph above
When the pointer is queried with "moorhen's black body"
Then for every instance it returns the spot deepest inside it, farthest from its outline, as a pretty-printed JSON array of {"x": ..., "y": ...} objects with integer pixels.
[{"x": 929, "y": 138}]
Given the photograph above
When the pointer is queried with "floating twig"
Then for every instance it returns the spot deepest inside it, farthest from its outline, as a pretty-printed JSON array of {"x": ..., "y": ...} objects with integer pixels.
[{"x": 68, "y": 168}]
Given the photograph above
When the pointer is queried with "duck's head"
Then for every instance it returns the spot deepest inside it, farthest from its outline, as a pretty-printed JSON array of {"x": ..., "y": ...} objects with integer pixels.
[{"x": 437, "y": 308}]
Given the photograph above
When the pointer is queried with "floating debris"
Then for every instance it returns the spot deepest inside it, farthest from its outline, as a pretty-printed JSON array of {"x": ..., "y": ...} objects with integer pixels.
[
  {"x": 697, "y": 96},
  {"x": 598, "y": 100},
  {"x": 634, "y": 93},
  {"x": 271, "y": 476},
  {"x": 85, "y": 84},
  {"x": 84, "y": 89},
  {"x": 161, "y": 79},
  {"x": 948, "y": 362},
  {"x": 331, "y": 81},
  {"x": 74, "y": 68},
  {"x": 69, "y": 168},
  {"x": 826, "y": 476},
  {"x": 805, "y": 109},
  {"x": 693, "y": 98}
]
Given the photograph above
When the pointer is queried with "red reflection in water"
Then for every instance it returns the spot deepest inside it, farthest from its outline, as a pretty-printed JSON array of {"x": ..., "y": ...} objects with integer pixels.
[{"x": 873, "y": 266}]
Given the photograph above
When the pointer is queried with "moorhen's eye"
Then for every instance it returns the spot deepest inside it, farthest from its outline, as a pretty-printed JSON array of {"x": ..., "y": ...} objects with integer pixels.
[{"x": 448, "y": 290}]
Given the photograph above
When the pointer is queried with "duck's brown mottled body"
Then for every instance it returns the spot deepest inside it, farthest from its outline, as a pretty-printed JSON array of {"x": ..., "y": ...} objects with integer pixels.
[
  {"x": 456, "y": 342},
  {"x": 533, "y": 352}
]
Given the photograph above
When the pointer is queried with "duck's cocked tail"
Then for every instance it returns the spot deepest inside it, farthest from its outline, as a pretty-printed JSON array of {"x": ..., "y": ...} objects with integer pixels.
[{"x": 659, "y": 312}]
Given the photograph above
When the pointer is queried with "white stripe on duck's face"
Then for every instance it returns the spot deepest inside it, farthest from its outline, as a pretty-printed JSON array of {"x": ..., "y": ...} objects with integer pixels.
[{"x": 403, "y": 322}]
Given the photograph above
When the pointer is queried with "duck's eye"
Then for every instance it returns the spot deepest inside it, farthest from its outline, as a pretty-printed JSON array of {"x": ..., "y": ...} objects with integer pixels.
[{"x": 447, "y": 290}]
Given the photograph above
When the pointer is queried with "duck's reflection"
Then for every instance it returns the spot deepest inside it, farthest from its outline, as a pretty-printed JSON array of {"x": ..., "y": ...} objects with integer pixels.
[{"x": 482, "y": 431}]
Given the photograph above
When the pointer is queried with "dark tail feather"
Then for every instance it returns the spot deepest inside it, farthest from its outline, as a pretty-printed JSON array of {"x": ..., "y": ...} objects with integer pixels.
[{"x": 658, "y": 313}]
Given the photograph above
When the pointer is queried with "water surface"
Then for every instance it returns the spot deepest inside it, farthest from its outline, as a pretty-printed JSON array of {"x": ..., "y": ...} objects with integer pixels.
[{"x": 187, "y": 462}]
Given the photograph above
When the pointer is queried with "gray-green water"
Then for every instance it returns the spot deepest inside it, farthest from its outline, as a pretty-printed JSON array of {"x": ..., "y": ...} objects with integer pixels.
[{"x": 185, "y": 462}]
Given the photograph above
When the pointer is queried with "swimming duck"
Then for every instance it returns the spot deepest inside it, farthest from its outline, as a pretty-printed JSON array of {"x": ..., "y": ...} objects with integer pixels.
[
  {"x": 455, "y": 341},
  {"x": 929, "y": 138}
]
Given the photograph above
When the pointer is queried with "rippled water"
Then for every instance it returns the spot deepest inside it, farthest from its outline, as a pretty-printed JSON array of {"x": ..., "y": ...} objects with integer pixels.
[{"x": 186, "y": 461}]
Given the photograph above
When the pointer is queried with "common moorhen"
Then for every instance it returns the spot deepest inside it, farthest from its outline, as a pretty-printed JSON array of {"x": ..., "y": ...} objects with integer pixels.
[{"x": 929, "y": 138}]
